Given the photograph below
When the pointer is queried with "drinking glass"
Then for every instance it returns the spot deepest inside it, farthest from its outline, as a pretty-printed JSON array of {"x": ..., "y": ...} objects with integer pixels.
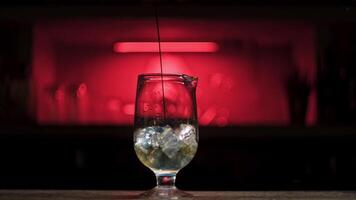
[{"x": 166, "y": 128}]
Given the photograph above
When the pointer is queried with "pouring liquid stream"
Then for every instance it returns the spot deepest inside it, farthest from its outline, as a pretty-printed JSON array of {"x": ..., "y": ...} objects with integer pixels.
[
  {"x": 169, "y": 144},
  {"x": 160, "y": 61}
]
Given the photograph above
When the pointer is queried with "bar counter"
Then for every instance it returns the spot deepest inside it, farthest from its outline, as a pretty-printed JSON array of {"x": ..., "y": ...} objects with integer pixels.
[{"x": 210, "y": 195}]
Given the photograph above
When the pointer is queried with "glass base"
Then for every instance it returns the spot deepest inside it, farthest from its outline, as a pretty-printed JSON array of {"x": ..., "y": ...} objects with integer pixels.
[{"x": 166, "y": 193}]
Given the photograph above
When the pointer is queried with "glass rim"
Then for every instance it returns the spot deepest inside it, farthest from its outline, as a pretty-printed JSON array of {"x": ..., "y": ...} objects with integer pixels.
[{"x": 166, "y": 75}]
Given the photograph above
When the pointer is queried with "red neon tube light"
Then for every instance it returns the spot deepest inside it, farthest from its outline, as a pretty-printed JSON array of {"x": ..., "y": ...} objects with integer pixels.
[{"x": 184, "y": 47}]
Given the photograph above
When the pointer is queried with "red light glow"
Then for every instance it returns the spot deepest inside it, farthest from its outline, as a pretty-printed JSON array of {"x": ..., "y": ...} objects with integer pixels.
[
  {"x": 129, "y": 109},
  {"x": 82, "y": 90},
  {"x": 189, "y": 47},
  {"x": 113, "y": 105},
  {"x": 85, "y": 71}
]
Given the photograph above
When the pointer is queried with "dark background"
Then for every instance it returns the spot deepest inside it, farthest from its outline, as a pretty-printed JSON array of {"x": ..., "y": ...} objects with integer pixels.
[{"x": 293, "y": 157}]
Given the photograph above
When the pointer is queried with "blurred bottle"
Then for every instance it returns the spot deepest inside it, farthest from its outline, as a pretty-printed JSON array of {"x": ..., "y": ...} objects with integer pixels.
[{"x": 298, "y": 91}]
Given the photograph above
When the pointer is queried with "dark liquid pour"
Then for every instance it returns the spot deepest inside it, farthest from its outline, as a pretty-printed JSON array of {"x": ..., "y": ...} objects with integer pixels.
[{"x": 160, "y": 60}]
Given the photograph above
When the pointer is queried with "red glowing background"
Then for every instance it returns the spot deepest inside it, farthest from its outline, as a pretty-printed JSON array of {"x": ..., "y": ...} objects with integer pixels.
[{"x": 85, "y": 71}]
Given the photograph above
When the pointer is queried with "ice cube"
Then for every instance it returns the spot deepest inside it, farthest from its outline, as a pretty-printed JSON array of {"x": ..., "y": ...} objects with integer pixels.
[
  {"x": 141, "y": 143},
  {"x": 153, "y": 136},
  {"x": 147, "y": 138},
  {"x": 185, "y": 131},
  {"x": 187, "y": 134},
  {"x": 169, "y": 143},
  {"x": 165, "y": 131}
]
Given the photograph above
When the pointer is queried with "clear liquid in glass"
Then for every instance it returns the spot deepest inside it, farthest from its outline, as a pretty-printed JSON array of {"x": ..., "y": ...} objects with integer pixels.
[{"x": 166, "y": 148}]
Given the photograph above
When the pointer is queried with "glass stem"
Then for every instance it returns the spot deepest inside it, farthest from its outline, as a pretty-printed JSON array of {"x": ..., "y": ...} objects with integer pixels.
[{"x": 166, "y": 180}]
